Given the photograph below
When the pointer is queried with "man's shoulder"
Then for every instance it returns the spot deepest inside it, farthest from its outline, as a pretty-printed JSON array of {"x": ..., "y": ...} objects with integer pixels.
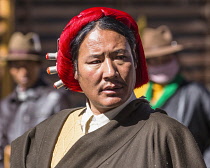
[
  {"x": 48, "y": 125},
  {"x": 160, "y": 120},
  {"x": 58, "y": 117},
  {"x": 195, "y": 88},
  {"x": 49, "y": 93},
  {"x": 8, "y": 97},
  {"x": 45, "y": 89},
  {"x": 160, "y": 116},
  {"x": 6, "y": 102}
]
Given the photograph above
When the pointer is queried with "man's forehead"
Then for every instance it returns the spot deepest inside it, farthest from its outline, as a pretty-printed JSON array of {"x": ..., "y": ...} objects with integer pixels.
[
  {"x": 164, "y": 57},
  {"x": 22, "y": 62}
]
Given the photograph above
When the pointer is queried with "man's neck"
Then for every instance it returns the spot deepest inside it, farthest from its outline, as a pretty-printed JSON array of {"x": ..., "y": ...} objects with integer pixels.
[{"x": 119, "y": 108}]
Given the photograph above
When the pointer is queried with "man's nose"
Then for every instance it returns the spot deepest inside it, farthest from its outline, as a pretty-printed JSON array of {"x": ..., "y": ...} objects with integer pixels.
[
  {"x": 109, "y": 69},
  {"x": 24, "y": 70}
]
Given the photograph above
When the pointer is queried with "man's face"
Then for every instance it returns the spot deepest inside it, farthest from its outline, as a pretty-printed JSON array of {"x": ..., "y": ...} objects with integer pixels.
[
  {"x": 163, "y": 69},
  {"x": 158, "y": 61},
  {"x": 105, "y": 71},
  {"x": 25, "y": 73}
]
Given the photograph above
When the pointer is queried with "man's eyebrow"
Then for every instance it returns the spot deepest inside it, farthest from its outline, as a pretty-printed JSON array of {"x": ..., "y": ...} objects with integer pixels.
[
  {"x": 95, "y": 55},
  {"x": 118, "y": 51},
  {"x": 121, "y": 51}
]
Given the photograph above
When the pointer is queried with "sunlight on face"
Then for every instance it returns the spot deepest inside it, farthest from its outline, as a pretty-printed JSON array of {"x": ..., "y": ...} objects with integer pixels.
[
  {"x": 105, "y": 71},
  {"x": 25, "y": 73}
]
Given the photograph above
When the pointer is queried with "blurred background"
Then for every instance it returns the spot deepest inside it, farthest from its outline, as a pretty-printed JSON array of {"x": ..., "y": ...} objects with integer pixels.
[{"x": 189, "y": 21}]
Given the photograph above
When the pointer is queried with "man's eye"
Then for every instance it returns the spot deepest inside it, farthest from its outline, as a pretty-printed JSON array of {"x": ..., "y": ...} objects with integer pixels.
[
  {"x": 95, "y": 62},
  {"x": 121, "y": 57}
]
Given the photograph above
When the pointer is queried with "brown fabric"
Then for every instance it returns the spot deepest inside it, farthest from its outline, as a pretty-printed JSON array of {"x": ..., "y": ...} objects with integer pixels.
[
  {"x": 136, "y": 137},
  {"x": 159, "y": 42},
  {"x": 24, "y": 47}
]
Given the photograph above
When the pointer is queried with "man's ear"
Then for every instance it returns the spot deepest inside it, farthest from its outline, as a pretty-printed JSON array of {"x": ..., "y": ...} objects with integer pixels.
[
  {"x": 135, "y": 60},
  {"x": 135, "y": 64},
  {"x": 75, "y": 71},
  {"x": 76, "y": 75}
]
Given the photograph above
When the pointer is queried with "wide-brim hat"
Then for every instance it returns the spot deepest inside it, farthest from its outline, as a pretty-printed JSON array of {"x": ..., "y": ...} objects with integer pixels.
[
  {"x": 25, "y": 47},
  {"x": 159, "y": 42}
]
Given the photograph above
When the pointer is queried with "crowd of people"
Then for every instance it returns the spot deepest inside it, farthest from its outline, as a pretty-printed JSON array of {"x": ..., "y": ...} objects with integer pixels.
[{"x": 127, "y": 104}]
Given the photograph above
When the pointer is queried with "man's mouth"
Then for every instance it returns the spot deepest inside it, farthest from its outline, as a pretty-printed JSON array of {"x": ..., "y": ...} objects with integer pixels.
[
  {"x": 25, "y": 79},
  {"x": 111, "y": 89}
]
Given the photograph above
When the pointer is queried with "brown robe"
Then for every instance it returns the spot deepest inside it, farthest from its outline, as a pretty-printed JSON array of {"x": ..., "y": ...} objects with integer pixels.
[{"x": 136, "y": 137}]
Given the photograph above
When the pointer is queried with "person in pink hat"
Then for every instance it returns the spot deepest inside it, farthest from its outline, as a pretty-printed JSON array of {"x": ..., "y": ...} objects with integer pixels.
[{"x": 100, "y": 53}]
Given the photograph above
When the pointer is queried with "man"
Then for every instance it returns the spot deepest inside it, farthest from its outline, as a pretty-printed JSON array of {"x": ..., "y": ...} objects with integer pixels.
[
  {"x": 32, "y": 100},
  {"x": 100, "y": 53},
  {"x": 187, "y": 102}
]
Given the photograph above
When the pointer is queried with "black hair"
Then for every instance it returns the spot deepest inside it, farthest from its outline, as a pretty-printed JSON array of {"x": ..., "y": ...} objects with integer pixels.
[{"x": 105, "y": 23}]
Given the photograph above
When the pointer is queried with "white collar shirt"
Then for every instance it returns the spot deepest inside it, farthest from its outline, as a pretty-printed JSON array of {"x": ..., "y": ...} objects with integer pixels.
[{"x": 97, "y": 121}]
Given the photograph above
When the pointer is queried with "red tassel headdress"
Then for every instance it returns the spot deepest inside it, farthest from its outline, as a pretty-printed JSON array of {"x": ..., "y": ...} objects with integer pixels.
[{"x": 65, "y": 67}]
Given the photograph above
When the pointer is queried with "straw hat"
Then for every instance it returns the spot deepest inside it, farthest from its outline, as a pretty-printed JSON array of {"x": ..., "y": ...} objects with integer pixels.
[
  {"x": 24, "y": 47},
  {"x": 158, "y": 42}
]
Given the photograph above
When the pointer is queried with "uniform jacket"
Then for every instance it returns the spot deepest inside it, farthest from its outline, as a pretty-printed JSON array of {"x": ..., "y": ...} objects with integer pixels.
[
  {"x": 16, "y": 117},
  {"x": 191, "y": 106},
  {"x": 136, "y": 137}
]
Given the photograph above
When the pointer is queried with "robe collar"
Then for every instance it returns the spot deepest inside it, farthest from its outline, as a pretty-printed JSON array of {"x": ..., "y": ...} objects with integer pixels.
[{"x": 97, "y": 121}]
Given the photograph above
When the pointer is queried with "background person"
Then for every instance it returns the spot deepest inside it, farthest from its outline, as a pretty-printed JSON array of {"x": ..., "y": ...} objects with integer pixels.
[
  {"x": 100, "y": 53},
  {"x": 32, "y": 100},
  {"x": 187, "y": 102}
]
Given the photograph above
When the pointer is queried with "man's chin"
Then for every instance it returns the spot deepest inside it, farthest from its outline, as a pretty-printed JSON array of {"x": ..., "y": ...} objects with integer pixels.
[
  {"x": 112, "y": 102},
  {"x": 25, "y": 85}
]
